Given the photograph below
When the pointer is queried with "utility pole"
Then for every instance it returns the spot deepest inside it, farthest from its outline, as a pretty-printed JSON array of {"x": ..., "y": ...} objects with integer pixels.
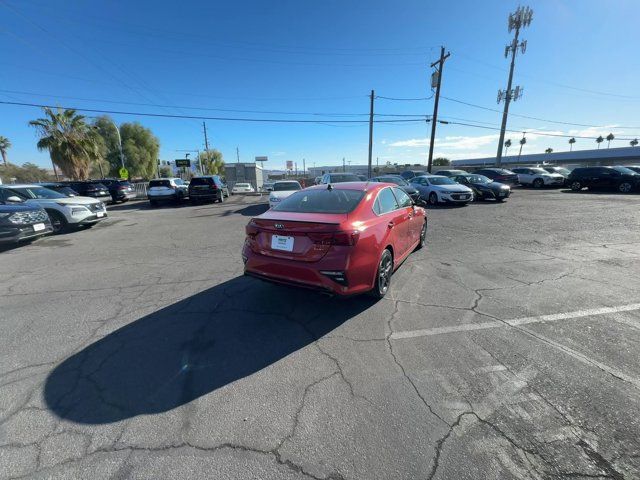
[
  {"x": 439, "y": 66},
  {"x": 206, "y": 147},
  {"x": 519, "y": 19},
  {"x": 370, "y": 134},
  {"x": 304, "y": 168},
  {"x": 238, "y": 154},
  {"x": 377, "y": 166},
  {"x": 344, "y": 168}
]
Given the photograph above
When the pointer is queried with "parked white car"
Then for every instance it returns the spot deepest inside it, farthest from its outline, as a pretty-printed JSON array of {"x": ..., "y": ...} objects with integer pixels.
[
  {"x": 538, "y": 177},
  {"x": 282, "y": 190},
  {"x": 166, "y": 189},
  {"x": 436, "y": 189},
  {"x": 242, "y": 188},
  {"x": 62, "y": 210}
]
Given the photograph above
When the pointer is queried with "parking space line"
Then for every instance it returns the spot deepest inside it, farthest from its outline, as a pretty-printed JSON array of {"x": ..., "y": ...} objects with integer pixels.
[{"x": 514, "y": 322}]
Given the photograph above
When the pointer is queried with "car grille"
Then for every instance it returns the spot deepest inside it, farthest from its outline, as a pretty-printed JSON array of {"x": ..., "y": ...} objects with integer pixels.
[
  {"x": 460, "y": 196},
  {"x": 96, "y": 207},
  {"x": 24, "y": 218}
]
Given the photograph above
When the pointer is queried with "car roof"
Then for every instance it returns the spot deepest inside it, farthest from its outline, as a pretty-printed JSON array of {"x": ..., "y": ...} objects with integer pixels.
[
  {"x": 282, "y": 181},
  {"x": 21, "y": 185}
]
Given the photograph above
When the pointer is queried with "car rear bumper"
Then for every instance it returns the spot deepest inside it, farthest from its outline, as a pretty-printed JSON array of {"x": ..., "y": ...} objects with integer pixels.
[
  {"x": 160, "y": 198},
  {"x": 124, "y": 195},
  {"x": 302, "y": 274},
  {"x": 13, "y": 234}
]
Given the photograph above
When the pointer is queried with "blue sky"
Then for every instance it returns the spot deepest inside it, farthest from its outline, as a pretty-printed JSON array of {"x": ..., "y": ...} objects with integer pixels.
[{"x": 581, "y": 66}]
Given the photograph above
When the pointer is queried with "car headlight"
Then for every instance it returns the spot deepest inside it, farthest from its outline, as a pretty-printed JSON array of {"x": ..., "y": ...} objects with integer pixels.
[{"x": 274, "y": 199}]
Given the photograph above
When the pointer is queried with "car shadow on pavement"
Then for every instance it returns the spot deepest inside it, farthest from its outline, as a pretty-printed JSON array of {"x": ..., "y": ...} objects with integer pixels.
[
  {"x": 253, "y": 210},
  {"x": 191, "y": 348}
]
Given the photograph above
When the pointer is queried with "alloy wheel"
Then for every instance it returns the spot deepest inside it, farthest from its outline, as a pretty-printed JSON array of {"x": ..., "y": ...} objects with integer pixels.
[
  {"x": 433, "y": 198},
  {"x": 624, "y": 187},
  {"x": 575, "y": 186},
  {"x": 385, "y": 270}
]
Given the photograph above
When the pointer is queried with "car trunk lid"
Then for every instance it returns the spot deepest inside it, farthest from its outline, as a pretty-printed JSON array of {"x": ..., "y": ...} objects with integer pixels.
[{"x": 295, "y": 236}]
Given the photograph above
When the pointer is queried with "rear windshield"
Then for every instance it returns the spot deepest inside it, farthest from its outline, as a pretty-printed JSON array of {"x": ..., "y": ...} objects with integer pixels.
[
  {"x": 321, "y": 201},
  {"x": 201, "y": 181},
  {"x": 339, "y": 178},
  {"x": 441, "y": 181},
  {"x": 96, "y": 186},
  {"x": 285, "y": 186},
  {"x": 160, "y": 183}
]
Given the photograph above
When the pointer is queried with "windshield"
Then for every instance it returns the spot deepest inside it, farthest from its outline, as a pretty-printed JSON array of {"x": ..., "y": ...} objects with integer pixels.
[
  {"x": 286, "y": 186},
  {"x": 39, "y": 192},
  {"x": 625, "y": 170},
  {"x": 242, "y": 185},
  {"x": 478, "y": 179},
  {"x": 201, "y": 181},
  {"x": 321, "y": 201},
  {"x": 441, "y": 181}
]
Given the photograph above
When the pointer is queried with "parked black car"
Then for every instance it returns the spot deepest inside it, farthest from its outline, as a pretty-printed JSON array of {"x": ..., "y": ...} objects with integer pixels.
[
  {"x": 60, "y": 188},
  {"x": 21, "y": 222},
  {"x": 409, "y": 174},
  {"x": 90, "y": 188},
  {"x": 621, "y": 179},
  {"x": 403, "y": 184},
  {"x": 501, "y": 175},
  {"x": 209, "y": 187},
  {"x": 120, "y": 190},
  {"x": 451, "y": 173},
  {"x": 483, "y": 187}
]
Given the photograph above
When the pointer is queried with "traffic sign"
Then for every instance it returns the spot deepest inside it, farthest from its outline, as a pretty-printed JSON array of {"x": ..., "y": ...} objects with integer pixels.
[
  {"x": 124, "y": 173},
  {"x": 262, "y": 159},
  {"x": 183, "y": 162}
]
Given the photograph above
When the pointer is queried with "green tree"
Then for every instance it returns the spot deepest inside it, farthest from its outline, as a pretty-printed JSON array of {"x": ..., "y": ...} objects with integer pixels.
[
  {"x": 141, "y": 149},
  {"x": 212, "y": 162},
  {"x": 109, "y": 144},
  {"x": 549, "y": 150},
  {"x": 572, "y": 140},
  {"x": 72, "y": 143},
  {"x": 633, "y": 142},
  {"x": 27, "y": 173},
  {"x": 5, "y": 145},
  {"x": 507, "y": 145},
  {"x": 599, "y": 140},
  {"x": 441, "y": 162},
  {"x": 165, "y": 171}
]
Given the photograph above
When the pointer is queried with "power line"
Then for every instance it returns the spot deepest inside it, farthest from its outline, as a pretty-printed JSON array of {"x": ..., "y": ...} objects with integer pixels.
[
  {"x": 419, "y": 99},
  {"x": 469, "y": 104},
  {"x": 200, "y": 117}
]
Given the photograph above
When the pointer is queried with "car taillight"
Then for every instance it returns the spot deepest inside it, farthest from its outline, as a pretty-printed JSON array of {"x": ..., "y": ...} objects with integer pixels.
[
  {"x": 251, "y": 230},
  {"x": 122, "y": 187},
  {"x": 335, "y": 238}
]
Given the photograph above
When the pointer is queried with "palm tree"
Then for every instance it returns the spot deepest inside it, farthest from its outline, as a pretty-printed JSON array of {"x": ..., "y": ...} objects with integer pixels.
[
  {"x": 599, "y": 140},
  {"x": 72, "y": 143},
  {"x": 5, "y": 145},
  {"x": 549, "y": 150},
  {"x": 572, "y": 140},
  {"x": 523, "y": 140},
  {"x": 609, "y": 138},
  {"x": 633, "y": 142},
  {"x": 507, "y": 145}
]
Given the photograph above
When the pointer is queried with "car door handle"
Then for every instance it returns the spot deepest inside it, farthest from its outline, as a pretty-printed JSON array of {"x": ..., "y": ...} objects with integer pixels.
[{"x": 391, "y": 224}]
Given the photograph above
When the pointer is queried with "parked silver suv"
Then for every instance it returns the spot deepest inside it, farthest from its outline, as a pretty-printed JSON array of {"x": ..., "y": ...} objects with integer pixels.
[
  {"x": 62, "y": 210},
  {"x": 166, "y": 189}
]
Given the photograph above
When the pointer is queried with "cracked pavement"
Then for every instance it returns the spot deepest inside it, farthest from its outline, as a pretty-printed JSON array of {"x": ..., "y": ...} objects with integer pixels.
[{"x": 136, "y": 349}]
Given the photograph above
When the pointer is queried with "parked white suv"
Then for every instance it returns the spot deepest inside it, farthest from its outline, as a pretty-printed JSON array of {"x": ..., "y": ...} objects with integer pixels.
[
  {"x": 538, "y": 177},
  {"x": 62, "y": 210},
  {"x": 166, "y": 189}
]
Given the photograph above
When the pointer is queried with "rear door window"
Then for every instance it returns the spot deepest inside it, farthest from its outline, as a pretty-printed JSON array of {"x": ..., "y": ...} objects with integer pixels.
[
  {"x": 387, "y": 201},
  {"x": 403, "y": 199}
]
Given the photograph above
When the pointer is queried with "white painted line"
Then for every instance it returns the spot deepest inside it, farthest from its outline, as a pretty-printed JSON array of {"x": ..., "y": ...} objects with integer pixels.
[{"x": 467, "y": 327}]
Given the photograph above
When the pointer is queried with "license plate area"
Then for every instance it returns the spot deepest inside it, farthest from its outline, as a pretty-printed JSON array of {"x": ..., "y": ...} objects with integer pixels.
[
  {"x": 38, "y": 227},
  {"x": 279, "y": 242}
]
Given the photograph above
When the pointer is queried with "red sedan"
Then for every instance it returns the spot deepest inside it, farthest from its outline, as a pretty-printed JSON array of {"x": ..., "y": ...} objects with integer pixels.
[{"x": 343, "y": 239}]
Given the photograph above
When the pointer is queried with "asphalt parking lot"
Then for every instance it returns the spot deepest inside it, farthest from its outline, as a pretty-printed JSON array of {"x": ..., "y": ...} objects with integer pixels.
[{"x": 508, "y": 348}]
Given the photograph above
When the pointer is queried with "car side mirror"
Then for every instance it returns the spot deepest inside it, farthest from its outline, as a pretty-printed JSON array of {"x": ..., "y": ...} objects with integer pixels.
[{"x": 14, "y": 199}]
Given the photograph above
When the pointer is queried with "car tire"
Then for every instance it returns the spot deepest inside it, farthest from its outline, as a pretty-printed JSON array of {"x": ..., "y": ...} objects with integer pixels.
[
  {"x": 384, "y": 272},
  {"x": 423, "y": 236},
  {"x": 433, "y": 199},
  {"x": 500, "y": 199},
  {"x": 625, "y": 187},
  {"x": 58, "y": 222},
  {"x": 576, "y": 186},
  {"x": 538, "y": 183}
]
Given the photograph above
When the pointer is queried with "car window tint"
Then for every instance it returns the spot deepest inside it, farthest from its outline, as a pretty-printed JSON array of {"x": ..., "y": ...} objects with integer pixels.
[
  {"x": 376, "y": 207},
  {"x": 404, "y": 200},
  {"x": 388, "y": 202},
  {"x": 201, "y": 181},
  {"x": 321, "y": 201}
]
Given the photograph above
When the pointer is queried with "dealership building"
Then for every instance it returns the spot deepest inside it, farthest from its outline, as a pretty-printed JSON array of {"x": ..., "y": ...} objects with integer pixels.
[{"x": 577, "y": 158}]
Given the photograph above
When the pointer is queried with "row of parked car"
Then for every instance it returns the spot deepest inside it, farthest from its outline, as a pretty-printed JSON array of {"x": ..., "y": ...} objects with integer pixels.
[{"x": 206, "y": 188}]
